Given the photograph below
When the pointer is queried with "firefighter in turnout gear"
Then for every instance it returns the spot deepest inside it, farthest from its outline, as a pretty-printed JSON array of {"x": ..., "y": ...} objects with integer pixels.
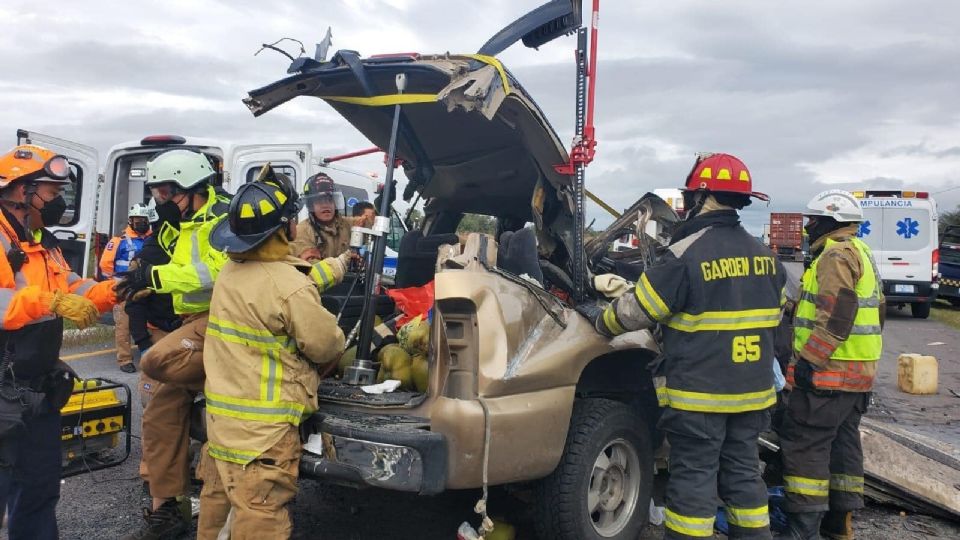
[
  {"x": 181, "y": 184},
  {"x": 115, "y": 261},
  {"x": 38, "y": 290},
  {"x": 267, "y": 337},
  {"x": 717, "y": 294},
  {"x": 326, "y": 232},
  {"x": 837, "y": 343}
]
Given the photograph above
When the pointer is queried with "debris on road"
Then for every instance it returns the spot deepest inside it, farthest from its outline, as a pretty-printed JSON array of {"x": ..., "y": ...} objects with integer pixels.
[
  {"x": 917, "y": 374},
  {"x": 910, "y": 471}
]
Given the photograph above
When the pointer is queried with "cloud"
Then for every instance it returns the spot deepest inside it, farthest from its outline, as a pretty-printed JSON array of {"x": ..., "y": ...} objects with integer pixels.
[{"x": 854, "y": 93}]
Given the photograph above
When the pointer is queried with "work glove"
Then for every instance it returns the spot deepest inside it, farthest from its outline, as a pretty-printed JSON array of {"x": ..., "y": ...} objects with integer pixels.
[
  {"x": 73, "y": 307},
  {"x": 803, "y": 375},
  {"x": 593, "y": 311},
  {"x": 136, "y": 279},
  {"x": 611, "y": 285}
]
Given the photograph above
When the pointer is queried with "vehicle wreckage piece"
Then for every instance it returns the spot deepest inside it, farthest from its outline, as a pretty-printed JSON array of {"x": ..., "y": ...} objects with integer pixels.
[
  {"x": 909, "y": 470},
  {"x": 649, "y": 208}
]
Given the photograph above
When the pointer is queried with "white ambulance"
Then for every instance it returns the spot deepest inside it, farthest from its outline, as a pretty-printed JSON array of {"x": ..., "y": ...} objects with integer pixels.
[
  {"x": 98, "y": 202},
  {"x": 901, "y": 229}
]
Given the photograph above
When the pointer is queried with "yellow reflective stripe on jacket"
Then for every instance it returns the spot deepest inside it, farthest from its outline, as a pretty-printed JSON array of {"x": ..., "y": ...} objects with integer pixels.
[
  {"x": 749, "y": 518},
  {"x": 255, "y": 409},
  {"x": 747, "y": 319},
  {"x": 720, "y": 403},
  {"x": 322, "y": 274},
  {"x": 384, "y": 100},
  {"x": 271, "y": 375},
  {"x": 245, "y": 335},
  {"x": 845, "y": 482},
  {"x": 611, "y": 322},
  {"x": 650, "y": 300},
  {"x": 234, "y": 455},
  {"x": 806, "y": 486},
  {"x": 689, "y": 525}
]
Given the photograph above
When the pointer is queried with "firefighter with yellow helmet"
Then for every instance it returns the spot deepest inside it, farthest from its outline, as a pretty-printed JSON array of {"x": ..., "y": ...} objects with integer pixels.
[
  {"x": 38, "y": 290},
  {"x": 268, "y": 334}
]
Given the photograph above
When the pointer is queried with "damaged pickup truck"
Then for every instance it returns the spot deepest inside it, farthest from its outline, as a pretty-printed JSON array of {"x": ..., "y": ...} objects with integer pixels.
[{"x": 521, "y": 389}]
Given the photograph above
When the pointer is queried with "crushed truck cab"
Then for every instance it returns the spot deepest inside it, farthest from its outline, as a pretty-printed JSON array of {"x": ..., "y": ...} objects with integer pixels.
[{"x": 520, "y": 388}]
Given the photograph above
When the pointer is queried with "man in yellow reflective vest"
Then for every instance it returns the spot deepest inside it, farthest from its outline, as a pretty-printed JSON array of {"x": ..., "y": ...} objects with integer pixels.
[
  {"x": 267, "y": 337},
  {"x": 837, "y": 342},
  {"x": 182, "y": 184},
  {"x": 717, "y": 294}
]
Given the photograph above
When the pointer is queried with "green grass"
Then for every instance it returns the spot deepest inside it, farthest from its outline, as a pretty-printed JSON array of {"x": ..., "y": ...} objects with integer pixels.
[{"x": 946, "y": 313}]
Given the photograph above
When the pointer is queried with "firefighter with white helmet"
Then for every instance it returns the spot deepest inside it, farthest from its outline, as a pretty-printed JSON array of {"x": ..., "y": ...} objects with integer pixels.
[
  {"x": 38, "y": 290},
  {"x": 189, "y": 205},
  {"x": 837, "y": 343},
  {"x": 120, "y": 251}
]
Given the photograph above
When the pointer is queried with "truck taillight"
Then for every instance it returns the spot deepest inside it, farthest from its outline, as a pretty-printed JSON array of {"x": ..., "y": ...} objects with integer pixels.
[{"x": 635, "y": 242}]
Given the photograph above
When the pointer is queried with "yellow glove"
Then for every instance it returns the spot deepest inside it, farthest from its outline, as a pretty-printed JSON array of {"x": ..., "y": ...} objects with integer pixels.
[{"x": 72, "y": 307}]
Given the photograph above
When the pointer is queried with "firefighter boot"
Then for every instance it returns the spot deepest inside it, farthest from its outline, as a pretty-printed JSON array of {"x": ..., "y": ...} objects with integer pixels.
[
  {"x": 837, "y": 526},
  {"x": 801, "y": 526},
  {"x": 164, "y": 523}
]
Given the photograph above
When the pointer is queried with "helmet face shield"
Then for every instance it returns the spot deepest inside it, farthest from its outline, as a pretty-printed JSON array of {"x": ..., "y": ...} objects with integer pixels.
[{"x": 163, "y": 192}]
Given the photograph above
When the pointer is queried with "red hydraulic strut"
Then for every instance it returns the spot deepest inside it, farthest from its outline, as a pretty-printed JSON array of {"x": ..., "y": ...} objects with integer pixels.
[{"x": 584, "y": 142}]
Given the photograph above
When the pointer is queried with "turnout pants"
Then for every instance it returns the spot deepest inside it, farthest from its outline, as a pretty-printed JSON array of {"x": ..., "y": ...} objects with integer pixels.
[
  {"x": 147, "y": 386},
  {"x": 822, "y": 456},
  {"x": 30, "y": 478},
  {"x": 122, "y": 334},
  {"x": 176, "y": 361},
  {"x": 713, "y": 458},
  {"x": 257, "y": 494}
]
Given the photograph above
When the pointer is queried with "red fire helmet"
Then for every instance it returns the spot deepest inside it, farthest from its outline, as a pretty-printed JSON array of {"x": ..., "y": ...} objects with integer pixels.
[{"x": 722, "y": 173}]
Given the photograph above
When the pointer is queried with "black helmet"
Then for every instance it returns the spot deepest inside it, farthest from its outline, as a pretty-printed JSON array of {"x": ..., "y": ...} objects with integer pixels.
[{"x": 258, "y": 210}]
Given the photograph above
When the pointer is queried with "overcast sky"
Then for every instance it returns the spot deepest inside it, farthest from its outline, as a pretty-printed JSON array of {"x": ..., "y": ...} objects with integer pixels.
[{"x": 848, "y": 93}]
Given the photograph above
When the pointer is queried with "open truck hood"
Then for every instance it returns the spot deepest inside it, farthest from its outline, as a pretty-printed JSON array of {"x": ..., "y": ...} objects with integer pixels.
[{"x": 471, "y": 138}]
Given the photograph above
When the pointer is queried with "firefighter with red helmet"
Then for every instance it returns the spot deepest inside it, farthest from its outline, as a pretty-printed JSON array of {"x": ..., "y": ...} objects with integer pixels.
[
  {"x": 38, "y": 290},
  {"x": 717, "y": 295}
]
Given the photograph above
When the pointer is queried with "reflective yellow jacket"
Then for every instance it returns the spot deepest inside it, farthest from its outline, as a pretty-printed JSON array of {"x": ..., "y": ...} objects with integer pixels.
[{"x": 193, "y": 265}]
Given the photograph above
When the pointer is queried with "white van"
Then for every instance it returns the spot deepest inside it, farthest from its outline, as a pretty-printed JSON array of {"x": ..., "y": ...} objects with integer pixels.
[
  {"x": 901, "y": 229},
  {"x": 97, "y": 204}
]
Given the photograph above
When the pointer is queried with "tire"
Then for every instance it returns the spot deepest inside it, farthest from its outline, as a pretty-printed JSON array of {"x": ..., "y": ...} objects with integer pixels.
[
  {"x": 620, "y": 433},
  {"x": 920, "y": 310}
]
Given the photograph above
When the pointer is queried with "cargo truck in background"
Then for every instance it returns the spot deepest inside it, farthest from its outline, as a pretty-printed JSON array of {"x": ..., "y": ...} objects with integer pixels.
[
  {"x": 785, "y": 235},
  {"x": 901, "y": 228}
]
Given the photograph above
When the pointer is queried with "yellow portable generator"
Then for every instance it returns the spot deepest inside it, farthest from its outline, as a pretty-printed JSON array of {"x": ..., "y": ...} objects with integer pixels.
[{"x": 95, "y": 426}]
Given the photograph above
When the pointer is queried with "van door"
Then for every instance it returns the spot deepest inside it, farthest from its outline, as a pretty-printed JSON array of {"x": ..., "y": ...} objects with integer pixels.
[
  {"x": 246, "y": 160},
  {"x": 908, "y": 234},
  {"x": 75, "y": 229}
]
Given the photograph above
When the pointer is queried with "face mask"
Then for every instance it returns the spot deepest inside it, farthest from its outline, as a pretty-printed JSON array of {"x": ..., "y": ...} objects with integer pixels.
[
  {"x": 168, "y": 212},
  {"x": 140, "y": 228},
  {"x": 52, "y": 211}
]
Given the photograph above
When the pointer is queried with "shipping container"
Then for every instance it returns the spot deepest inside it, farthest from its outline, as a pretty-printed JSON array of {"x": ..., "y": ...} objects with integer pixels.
[{"x": 786, "y": 234}]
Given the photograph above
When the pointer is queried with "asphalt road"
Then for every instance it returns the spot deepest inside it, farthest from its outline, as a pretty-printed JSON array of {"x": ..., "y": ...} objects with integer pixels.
[{"x": 107, "y": 504}]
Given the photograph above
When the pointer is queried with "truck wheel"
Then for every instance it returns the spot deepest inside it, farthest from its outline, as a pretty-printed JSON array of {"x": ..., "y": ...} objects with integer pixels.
[
  {"x": 920, "y": 310},
  {"x": 602, "y": 486}
]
